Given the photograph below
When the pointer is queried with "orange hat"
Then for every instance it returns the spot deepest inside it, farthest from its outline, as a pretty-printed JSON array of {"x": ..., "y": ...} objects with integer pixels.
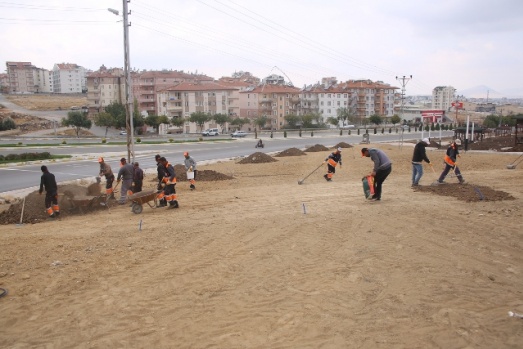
[
  {"x": 100, "y": 159},
  {"x": 186, "y": 153}
]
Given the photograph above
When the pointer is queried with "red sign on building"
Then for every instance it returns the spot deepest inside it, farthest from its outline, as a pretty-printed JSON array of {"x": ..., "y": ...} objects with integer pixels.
[
  {"x": 457, "y": 105},
  {"x": 433, "y": 115}
]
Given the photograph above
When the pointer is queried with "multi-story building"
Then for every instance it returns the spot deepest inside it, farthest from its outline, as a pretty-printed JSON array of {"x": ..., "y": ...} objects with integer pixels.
[
  {"x": 104, "y": 87},
  {"x": 146, "y": 84},
  {"x": 43, "y": 80},
  {"x": 360, "y": 98},
  {"x": 69, "y": 78},
  {"x": 182, "y": 100},
  {"x": 4, "y": 83},
  {"x": 272, "y": 101},
  {"x": 442, "y": 97},
  {"x": 21, "y": 77}
]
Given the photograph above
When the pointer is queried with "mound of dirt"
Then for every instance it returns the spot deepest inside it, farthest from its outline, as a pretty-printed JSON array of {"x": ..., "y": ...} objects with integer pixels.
[
  {"x": 257, "y": 158},
  {"x": 316, "y": 148},
  {"x": 466, "y": 192},
  {"x": 342, "y": 145},
  {"x": 202, "y": 175},
  {"x": 291, "y": 152},
  {"x": 34, "y": 207}
]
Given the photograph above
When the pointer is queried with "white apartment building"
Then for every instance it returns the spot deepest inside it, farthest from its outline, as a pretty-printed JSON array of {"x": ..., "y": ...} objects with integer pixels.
[
  {"x": 69, "y": 78},
  {"x": 182, "y": 100},
  {"x": 43, "y": 80},
  {"x": 442, "y": 97}
]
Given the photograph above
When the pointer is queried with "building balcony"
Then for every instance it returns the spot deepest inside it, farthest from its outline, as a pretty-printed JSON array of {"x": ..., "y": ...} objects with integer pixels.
[
  {"x": 174, "y": 108},
  {"x": 295, "y": 99}
]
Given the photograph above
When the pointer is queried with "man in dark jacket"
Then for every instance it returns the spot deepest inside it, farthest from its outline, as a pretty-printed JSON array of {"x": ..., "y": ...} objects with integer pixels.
[
  {"x": 126, "y": 174},
  {"x": 137, "y": 178},
  {"x": 48, "y": 182},
  {"x": 420, "y": 155},
  {"x": 332, "y": 161},
  {"x": 381, "y": 170}
]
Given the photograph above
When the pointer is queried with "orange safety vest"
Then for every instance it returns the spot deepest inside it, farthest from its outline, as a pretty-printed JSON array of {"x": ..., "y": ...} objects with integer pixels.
[{"x": 332, "y": 162}]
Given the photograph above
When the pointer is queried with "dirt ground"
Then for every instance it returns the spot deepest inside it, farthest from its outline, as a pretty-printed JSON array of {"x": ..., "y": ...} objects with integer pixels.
[
  {"x": 47, "y": 101},
  {"x": 254, "y": 260}
]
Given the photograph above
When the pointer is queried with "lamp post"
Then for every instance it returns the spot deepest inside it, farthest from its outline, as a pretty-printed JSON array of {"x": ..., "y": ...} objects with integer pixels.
[{"x": 129, "y": 124}]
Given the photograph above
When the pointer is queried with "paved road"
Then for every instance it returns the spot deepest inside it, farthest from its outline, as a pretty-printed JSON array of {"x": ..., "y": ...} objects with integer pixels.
[{"x": 84, "y": 163}]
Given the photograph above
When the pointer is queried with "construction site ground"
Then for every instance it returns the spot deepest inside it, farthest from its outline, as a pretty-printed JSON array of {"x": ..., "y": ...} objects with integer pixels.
[{"x": 252, "y": 259}]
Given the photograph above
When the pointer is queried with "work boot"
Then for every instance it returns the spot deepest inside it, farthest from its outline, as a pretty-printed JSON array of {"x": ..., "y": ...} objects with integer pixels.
[
  {"x": 192, "y": 187},
  {"x": 173, "y": 204},
  {"x": 57, "y": 213},
  {"x": 52, "y": 215},
  {"x": 461, "y": 180}
]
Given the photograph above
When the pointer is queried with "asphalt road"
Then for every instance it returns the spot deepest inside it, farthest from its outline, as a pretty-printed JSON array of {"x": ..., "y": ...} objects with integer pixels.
[{"x": 84, "y": 162}]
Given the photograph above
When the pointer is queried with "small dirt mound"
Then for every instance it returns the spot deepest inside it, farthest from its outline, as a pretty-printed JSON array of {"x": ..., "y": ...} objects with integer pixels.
[
  {"x": 316, "y": 148},
  {"x": 34, "y": 208},
  {"x": 342, "y": 145},
  {"x": 291, "y": 152},
  {"x": 257, "y": 158},
  {"x": 466, "y": 192},
  {"x": 201, "y": 175}
]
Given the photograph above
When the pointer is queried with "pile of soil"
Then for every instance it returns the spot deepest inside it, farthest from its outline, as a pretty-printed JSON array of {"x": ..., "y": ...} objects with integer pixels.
[
  {"x": 34, "y": 207},
  {"x": 316, "y": 148},
  {"x": 257, "y": 158},
  {"x": 24, "y": 122},
  {"x": 342, "y": 145},
  {"x": 466, "y": 192},
  {"x": 202, "y": 175},
  {"x": 291, "y": 152}
]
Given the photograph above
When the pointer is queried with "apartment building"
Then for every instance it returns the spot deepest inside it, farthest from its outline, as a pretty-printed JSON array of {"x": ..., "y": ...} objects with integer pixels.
[
  {"x": 146, "y": 84},
  {"x": 43, "y": 80},
  {"x": 4, "y": 83},
  {"x": 21, "y": 77},
  {"x": 69, "y": 78},
  {"x": 182, "y": 100},
  {"x": 272, "y": 101},
  {"x": 104, "y": 87},
  {"x": 442, "y": 97}
]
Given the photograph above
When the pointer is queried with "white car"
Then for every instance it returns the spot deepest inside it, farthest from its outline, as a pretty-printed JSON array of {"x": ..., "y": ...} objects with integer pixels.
[
  {"x": 211, "y": 132},
  {"x": 239, "y": 134},
  {"x": 347, "y": 127},
  {"x": 123, "y": 133}
]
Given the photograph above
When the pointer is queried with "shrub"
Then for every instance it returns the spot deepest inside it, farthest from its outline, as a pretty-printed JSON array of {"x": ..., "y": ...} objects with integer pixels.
[
  {"x": 138, "y": 140},
  {"x": 171, "y": 140},
  {"x": 104, "y": 140},
  {"x": 64, "y": 142},
  {"x": 20, "y": 143},
  {"x": 8, "y": 124},
  {"x": 12, "y": 157}
]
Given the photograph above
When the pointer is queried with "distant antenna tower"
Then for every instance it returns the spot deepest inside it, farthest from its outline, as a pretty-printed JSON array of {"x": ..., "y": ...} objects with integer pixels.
[{"x": 404, "y": 81}]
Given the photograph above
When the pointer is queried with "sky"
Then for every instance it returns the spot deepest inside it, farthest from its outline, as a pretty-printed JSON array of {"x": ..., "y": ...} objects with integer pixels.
[{"x": 466, "y": 44}]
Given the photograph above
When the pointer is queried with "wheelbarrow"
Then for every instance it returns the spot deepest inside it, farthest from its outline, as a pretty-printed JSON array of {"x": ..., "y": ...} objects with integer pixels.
[{"x": 141, "y": 198}]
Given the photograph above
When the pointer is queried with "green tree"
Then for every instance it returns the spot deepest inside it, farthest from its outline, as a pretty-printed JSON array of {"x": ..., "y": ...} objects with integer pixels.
[
  {"x": 104, "y": 119},
  {"x": 77, "y": 120},
  {"x": 8, "y": 124},
  {"x": 307, "y": 120},
  {"x": 292, "y": 120},
  {"x": 155, "y": 121},
  {"x": 222, "y": 120},
  {"x": 332, "y": 121},
  {"x": 343, "y": 115},
  {"x": 261, "y": 121},
  {"x": 200, "y": 118},
  {"x": 240, "y": 122},
  {"x": 117, "y": 111},
  {"x": 138, "y": 120},
  {"x": 177, "y": 121},
  {"x": 395, "y": 119},
  {"x": 375, "y": 119}
]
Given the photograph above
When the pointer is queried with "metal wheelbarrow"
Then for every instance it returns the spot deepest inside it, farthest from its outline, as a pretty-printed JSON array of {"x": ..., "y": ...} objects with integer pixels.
[{"x": 141, "y": 198}]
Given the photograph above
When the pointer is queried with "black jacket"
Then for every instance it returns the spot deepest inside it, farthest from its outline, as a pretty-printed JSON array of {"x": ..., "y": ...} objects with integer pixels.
[
  {"x": 48, "y": 182},
  {"x": 420, "y": 153}
]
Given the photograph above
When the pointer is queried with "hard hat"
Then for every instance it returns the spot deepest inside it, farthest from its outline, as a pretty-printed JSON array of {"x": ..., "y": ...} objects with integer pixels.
[
  {"x": 339, "y": 149},
  {"x": 100, "y": 159},
  {"x": 457, "y": 141},
  {"x": 425, "y": 140}
]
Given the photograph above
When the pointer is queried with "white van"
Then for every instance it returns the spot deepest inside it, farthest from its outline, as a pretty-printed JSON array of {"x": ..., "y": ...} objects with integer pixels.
[{"x": 210, "y": 132}]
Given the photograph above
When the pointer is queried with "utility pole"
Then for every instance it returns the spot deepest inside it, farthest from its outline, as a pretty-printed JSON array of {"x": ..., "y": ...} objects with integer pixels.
[
  {"x": 404, "y": 81},
  {"x": 129, "y": 124}
]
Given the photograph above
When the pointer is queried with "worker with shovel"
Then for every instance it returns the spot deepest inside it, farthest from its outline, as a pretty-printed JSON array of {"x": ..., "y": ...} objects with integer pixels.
[
  {"x": 450, "y": 162},
  {"x": 48, "y": 182},
  {"x": 420, "y": 155},
  {"x": 105, "y": 170},
  {"x": 332, "y": 161}
]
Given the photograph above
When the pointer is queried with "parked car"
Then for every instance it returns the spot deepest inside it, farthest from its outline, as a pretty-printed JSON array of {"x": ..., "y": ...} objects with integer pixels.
[
  {"x": 239, "y": 134},
  {"x": 75, "y": 108},
  {"x": 347, "y": 127},
  {"x": 123, "y": 133},
  {"x": 211, "y": 132}
]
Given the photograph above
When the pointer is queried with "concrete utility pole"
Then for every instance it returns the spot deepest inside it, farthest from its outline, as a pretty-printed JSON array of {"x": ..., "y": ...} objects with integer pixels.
[
  {"x": 129, "y": 124},
  {"x": 404, "y": 81}
]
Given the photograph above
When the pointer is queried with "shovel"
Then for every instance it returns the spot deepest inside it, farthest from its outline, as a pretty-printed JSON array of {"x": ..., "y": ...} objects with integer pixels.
[{"x": 516, "y": 162}]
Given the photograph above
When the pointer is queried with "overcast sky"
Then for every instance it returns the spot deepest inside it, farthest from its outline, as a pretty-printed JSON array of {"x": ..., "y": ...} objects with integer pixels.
[{"x": 461, "y": 43}]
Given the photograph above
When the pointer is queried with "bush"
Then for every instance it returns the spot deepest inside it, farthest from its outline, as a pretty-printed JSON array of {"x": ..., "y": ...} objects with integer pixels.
[
  {"x": 138, "y": 140},
  {"x": 20, "y": 144},
  {"x": 171, "y": 140},
  {"x": 64, "y": 142},
  {"x": 104, "y": 140},
  {"x": 8, "y": 124},
  {"x": 10, "y": 157}
]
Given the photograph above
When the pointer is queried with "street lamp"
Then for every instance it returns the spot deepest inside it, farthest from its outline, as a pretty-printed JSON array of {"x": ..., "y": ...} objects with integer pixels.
[{"x": 129, "y": 124}]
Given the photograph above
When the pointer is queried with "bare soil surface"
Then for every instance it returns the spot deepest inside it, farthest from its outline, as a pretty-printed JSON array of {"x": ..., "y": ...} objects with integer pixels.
[
  {"x": 258, "y": 261},
  {"x": 48, "y": 102}
]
